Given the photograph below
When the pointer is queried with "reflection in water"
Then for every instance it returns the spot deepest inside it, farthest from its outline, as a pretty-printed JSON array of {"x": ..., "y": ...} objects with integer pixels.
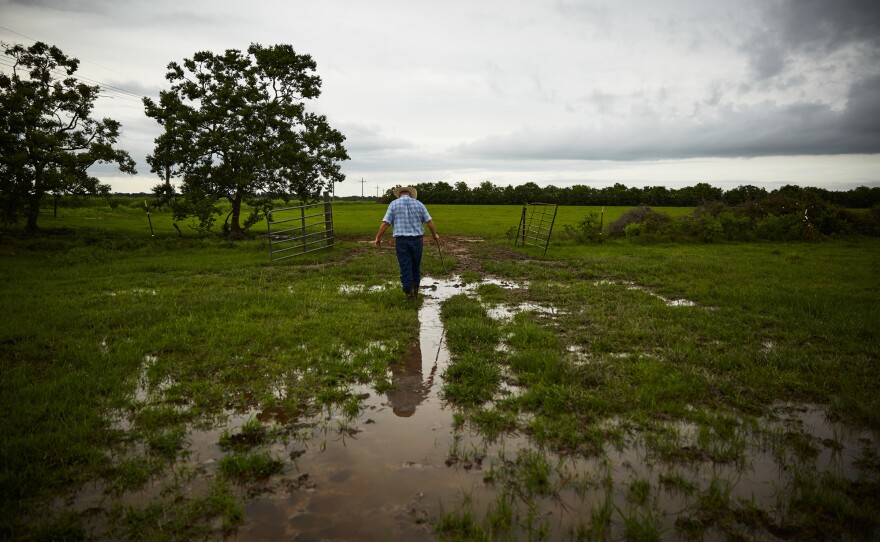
[
  {"x": 409, "y": 389},
  {"x": 414, "y": 376}
]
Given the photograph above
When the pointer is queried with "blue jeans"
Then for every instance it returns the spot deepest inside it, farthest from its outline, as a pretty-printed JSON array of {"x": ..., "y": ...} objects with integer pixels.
[{"x": 409, "y": 256}]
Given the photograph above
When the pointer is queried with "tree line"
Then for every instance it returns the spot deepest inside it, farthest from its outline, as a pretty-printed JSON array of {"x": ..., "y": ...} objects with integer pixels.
[{"x": 620, "y": 195}]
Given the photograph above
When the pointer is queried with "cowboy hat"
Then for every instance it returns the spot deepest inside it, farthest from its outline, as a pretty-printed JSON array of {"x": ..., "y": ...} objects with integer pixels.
[{"x": 412, "y": 191}]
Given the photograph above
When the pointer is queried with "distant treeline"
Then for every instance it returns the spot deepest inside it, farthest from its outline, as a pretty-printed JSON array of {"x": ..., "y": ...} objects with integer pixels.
[
  {"x": 487, "y": 193},
  {"x": 620, "y": 195}
]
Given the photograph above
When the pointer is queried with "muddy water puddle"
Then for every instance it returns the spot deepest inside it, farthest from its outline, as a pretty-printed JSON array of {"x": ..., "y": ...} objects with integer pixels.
[
  {"x": 406, "y": 464},
  {"x": 381, "y": 475},
  {"x": 388, "y": 477},
  {"x": 398, "y": 465}
]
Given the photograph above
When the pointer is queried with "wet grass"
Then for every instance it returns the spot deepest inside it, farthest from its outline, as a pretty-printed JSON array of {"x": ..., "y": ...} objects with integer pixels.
[
  {"x": 620, "y": 366},
  {"x": 615, "y": 416},
  {"x": 114, "y": 355}
]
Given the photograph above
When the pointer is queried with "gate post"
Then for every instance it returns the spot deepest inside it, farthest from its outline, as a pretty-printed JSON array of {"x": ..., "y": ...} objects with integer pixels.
[
  {"x": 302, "y": 214},
  {"x": 328, "y": 220}
]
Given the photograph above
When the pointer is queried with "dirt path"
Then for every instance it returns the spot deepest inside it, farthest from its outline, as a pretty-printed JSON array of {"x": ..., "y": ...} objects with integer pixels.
[{"x": 468, "y": 252}]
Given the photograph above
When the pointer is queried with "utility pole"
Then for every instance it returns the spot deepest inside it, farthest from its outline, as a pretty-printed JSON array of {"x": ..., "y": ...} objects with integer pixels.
[
  {"x": 362, "y": 186},
  {"x": 377, "y": 191}
]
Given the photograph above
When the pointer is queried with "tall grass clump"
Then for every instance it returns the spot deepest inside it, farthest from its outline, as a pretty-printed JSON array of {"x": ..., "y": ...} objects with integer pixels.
[{"x": 474, "y": 373}]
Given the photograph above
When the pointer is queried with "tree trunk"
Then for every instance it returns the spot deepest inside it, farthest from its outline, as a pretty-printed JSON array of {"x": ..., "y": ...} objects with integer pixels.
[
  {"x": 33, "y": 201},
  {"x": 33, "y": 212},
  {"x": 235, "y": 231}
]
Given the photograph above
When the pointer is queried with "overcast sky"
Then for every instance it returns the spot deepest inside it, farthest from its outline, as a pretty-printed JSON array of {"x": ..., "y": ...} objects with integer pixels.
[{"x": 662, "y": 92}]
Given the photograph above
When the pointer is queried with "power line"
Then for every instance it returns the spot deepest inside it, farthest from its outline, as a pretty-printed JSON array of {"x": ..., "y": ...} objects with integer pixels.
[
  {"x": 106, "y": 91},
  {"x": 83, "y": 60},
  {"x": 17, "y": 33},
  {"x": 110, "y": 91}
]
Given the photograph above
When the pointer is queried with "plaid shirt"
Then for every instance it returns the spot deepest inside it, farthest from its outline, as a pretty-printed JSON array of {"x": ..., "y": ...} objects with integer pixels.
[{"x": 406, "y": 217}]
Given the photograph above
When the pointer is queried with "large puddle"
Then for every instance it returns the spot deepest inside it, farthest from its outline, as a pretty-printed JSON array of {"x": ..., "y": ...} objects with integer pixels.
[
  {"x": 400, "y": 463},
  {"x": 390, "y": 475}
]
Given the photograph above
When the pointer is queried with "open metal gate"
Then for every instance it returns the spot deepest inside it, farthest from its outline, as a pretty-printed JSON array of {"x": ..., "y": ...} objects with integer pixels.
[
  {"x": 536, "y": 225},
  {"x": 298, "y": 230}
]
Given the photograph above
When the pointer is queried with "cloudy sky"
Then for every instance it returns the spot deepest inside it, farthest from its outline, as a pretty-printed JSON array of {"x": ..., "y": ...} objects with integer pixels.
[{"x": 661, "y": 92}]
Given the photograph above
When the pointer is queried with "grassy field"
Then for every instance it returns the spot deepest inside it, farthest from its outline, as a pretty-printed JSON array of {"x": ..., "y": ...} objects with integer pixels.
[
  {"x": 638, "y": 392},
  {"x": 350, "y": 219}
]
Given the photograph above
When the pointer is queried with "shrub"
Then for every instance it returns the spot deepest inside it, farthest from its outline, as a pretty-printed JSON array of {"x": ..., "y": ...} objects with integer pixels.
[
  {"x": 632, "y": 230},
  {"x": 651, "y": 222},
  {"x": 704, "y": 227},
  {"x": 588, "y": 230},
  {"x": 779, "y": 228},
  {"x": 736, "y": 227},
  {"x": 778, "y": 217},
  {"x": 866, "y": 223}
]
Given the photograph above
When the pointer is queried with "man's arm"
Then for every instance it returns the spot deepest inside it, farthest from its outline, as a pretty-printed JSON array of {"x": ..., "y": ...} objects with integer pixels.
[
  {"x": 431, "y": 227},
  {"x": 382, "y": 227}
]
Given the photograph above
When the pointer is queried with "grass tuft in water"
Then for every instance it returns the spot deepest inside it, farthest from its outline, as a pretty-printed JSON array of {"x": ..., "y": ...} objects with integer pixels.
[{"x": 250, "y": 467}]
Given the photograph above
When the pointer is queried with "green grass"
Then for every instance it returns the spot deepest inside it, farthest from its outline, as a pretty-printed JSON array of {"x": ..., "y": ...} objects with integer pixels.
[
  {"x": 221, "y": 326},
  {"x": 250, "y": 467},
  {"x": 118, "y": 345},
  {"x": 768, "y": 324},
  {"x": 350, "y": 219}
]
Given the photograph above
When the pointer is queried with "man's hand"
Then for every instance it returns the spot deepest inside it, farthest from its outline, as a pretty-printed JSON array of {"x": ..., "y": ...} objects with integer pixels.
[{"x": 382, "y": 227}]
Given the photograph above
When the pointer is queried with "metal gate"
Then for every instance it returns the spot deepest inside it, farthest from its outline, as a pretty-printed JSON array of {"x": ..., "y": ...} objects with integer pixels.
[
  {"x": 297, "y": 230},
  {"x": 536, "y": 225}
]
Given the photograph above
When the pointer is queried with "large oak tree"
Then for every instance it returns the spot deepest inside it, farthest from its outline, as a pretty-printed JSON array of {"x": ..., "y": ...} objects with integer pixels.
[
  {"x": 48, "y": 138},
  {"x": 236, "y": 128}
]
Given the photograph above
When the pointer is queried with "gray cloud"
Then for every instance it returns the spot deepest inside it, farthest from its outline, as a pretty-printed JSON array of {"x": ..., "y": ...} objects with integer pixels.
[
  {"x": 361, "y": 140},
  {"x": 819, "y": 25},
  {"x": 862, "y": 115},
  {"x": 767, "y": 57},
  {"x": 77, "y": 6},
  {"x": 814, "y": 27},
  {"x": 595, "y": 15},
  {"x": 765, "y": 129}
]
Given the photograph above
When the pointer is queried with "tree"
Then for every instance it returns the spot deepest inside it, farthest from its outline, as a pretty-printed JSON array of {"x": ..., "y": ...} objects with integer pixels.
[
  {"x": 443, "y": 193},
  {"x": 49, "y": 139},
  {"x": 743, "y": 194},
  {"x": 552, "y": 194},
  {"x": 584, "y": 195},
  {"x": 656, "y": 196},
  {"x": 486, "y": 194},
  {"x": 236, "y": 128},
  {"x": 527, "y": 193},
  {"x": 462, "y": 193},
  {"x": 699, "y": 194}
]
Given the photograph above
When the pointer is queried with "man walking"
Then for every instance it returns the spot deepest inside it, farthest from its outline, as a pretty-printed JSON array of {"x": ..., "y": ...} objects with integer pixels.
[{"x": 406, "y": 216}]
